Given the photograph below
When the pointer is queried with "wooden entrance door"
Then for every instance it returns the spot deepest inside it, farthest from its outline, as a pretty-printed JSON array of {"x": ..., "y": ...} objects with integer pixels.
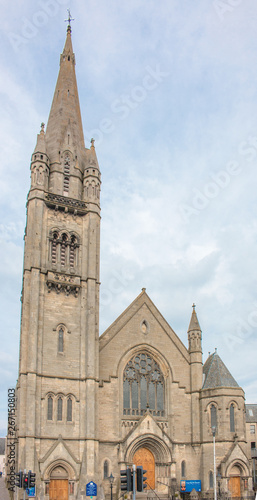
[
  {"x": 144, "y": 457},
  {"x": 234, "y": 486},
  {"x": 58, "y": 489}
]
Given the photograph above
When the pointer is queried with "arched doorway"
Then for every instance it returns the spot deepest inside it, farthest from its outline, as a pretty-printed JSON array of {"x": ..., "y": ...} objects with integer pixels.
[
  {"x": 144, "y": 457},
  {"x": 234, "y": 482},
  {"x": 59, "y": 484}
]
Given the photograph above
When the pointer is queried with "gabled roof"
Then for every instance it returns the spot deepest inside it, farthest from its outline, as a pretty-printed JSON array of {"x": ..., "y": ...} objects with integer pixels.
[
  {"x": 251, "y": 413},
  {"x": 217, "y": 374},
  {"x": 142, "y": 299}
]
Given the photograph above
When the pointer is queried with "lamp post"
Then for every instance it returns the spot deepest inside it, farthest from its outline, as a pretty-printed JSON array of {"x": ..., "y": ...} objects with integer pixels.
[
  {"x": 111, "y": 479},
  {"x": 214, "y": 463}
]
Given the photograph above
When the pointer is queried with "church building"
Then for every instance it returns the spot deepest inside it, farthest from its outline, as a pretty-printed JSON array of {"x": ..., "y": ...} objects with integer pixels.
[{"x": 89, "y": 405}]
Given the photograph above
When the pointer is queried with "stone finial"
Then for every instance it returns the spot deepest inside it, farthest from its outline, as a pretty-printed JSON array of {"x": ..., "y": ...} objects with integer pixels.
[
  {"x": 42, "y": 128},
  {"x": 92, "y": 143}
]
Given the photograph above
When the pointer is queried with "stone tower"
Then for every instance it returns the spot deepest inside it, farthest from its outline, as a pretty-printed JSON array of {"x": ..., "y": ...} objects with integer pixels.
[
  {"x": 196, "y": 372},
  {"x": 58, "y": 368}
]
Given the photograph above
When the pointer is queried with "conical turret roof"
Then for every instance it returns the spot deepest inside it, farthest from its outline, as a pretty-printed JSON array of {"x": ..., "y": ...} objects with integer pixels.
[
  {"x": 217, "y": 374},
  {"x": 41, "y": 143},
  {"x": 64, "y": 123},
  {"x": 194, "y": 323}
]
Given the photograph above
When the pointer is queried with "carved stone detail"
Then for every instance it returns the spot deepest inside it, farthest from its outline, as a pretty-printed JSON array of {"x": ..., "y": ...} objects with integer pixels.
[
  {"x": 59, "y": 202},
  {"x": 63, "y": 283}
]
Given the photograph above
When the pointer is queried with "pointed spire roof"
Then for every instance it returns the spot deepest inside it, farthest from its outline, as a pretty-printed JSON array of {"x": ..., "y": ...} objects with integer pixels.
[
  {"x": 41, "y": 143},
  {"x": 194, "y": 323},
  {"x": 65, "y": 116},
  {"x": 217, "y": 374}
]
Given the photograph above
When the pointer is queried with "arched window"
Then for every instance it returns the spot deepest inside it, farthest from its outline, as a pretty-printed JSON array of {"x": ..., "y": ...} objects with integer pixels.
[
  {"x": 183, "y": 468},
  {"x": 60, "y": 340},
  {"x": 214, "y": 417},
  {"x": 106, "y": 469},
  {"x": 72, "y": 251},
  {"x": 50, "y": 408},
  {"x": 143, "y": 386},
  {"x": 54, "y": 248},
  {"x": 63, "y": 249},
  {"x": 69, "y": 410},
  {"x": 232, "y": 417},
  {"x": 211, "y": 480},
  {"x": 59, "y": 409},
  {"x": 66, "y": 171}
]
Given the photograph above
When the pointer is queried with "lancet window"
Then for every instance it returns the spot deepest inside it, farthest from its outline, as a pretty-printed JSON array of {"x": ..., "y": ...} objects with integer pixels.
[
  {"x": 63, "y": 249},
  {"x": 143, "y": 386},
  {"x": 66, "y": 181},
  {"x": 69, "y": 410},
  {"x": 50, "y": 408},
  {"x": 232, "y": 417}
]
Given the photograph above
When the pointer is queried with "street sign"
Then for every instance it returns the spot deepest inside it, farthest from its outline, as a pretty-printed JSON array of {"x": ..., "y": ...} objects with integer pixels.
[
  {"x": 91, "y": 489},
  {"x": 31, "y": 492},
  {"x": 188, "y": 486}
]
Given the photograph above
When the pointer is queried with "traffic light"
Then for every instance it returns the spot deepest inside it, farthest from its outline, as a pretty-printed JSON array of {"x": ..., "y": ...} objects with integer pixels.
[
  {"x": 25, "y": 481},
  {"x": 18, "y": 479},
  {"x": 141, "y": 479},
  {"x": 126, "y": 480},
  {"x": 31, "y": 479}
]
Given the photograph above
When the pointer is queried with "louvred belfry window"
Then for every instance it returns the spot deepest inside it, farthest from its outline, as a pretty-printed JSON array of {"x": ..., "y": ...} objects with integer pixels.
[
  {"x": 66, "y": 181},
  {"x": 63, "y": 249},
  {"x": 143, "y": 386},
  {"x": 54, "y": 248}
]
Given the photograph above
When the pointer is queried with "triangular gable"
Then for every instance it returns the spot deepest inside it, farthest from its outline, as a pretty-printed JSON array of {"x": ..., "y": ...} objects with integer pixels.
[
  {"x": 147, "y": 425},
  {"x": 235, "y": 454},
  {"x": 59, "y": 450},
  {"x": 127, "y": 315}
]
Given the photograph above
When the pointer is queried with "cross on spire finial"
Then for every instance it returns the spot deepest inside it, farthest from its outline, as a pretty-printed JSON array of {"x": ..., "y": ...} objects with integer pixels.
[
  {"x": 193, "y": 306},
  {"x": 69, "y": 18}
]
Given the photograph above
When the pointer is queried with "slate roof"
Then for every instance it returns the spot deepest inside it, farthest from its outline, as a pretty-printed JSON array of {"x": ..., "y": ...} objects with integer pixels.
[
  {"x": 2, "y": 446},
  {"x": 251, "y": 413},
  {"x": 217, "y": 374}
]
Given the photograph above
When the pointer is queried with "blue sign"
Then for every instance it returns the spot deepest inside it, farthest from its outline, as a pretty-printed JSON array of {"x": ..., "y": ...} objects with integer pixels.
[
  {"x": 188, "y": 486},
  {"x": 91, "y": 489},
  {"x": 31, "y": 492}
]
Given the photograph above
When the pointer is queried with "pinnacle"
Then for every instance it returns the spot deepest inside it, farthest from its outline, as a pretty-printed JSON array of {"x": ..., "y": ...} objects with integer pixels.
[
  {"x": 41, "y": 143},
  {"x": 194, "y": 323}
]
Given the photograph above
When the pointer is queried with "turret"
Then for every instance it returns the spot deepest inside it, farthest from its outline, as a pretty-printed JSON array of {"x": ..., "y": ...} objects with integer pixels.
[
  {"x": 92, "y": 180},
  {"x": 40, "y": 163},
  {"x": 196, "y": 372}
]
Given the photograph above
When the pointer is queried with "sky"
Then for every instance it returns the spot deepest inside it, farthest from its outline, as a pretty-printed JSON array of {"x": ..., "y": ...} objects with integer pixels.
[{"x": 168, "y": 90}]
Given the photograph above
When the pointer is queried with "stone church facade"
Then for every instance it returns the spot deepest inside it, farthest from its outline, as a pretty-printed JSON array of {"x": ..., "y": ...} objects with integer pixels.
[{"x": 89, "y": 406}]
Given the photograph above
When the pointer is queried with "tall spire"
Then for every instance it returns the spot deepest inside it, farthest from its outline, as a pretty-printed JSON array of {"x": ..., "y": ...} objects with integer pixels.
[{"x": 64, "y": 123}]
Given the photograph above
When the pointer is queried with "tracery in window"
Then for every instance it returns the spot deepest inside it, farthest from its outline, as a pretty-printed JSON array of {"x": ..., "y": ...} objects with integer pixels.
[
  {"x": 232, "y": 417},
  {"x": 59, "y": 408},
  {"x": 50, "y": 408},
  {"x": 69, "y": 410},
  {"x": 143, "y": 386}
]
